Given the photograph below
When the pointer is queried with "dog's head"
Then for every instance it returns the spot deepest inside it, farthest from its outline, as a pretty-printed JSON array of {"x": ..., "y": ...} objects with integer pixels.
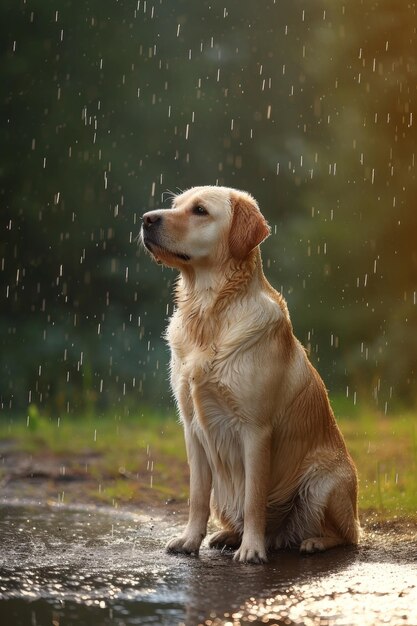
[{"x": 205, "y": 226}]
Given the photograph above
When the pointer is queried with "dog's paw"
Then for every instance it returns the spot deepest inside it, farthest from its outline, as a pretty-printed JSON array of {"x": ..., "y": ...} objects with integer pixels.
[
  {"x": 315, "y": 544},
  {"x": 224, "y": 539},
  {"x": 248, "y": 553},
  {"x": 184, "y": 545}
]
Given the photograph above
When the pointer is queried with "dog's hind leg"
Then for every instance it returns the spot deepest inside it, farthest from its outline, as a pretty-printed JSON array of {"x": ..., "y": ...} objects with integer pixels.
[{"x": 340, "y": 525}]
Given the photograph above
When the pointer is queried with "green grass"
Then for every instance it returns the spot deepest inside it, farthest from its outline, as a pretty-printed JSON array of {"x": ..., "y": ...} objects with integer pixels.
[
  {"x": 127, "y": 459},
  {"x": 142, "y": 459},
  {"x": 385, "y": 452}
]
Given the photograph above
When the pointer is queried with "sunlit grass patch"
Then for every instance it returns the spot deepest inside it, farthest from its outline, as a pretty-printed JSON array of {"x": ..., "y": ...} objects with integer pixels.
[
  {"x": 116, "y": 436},
  {"x": 120, "y": 491},
  {"x": 141, "y": 459},
  {"x": 385, "y": 452},
  {"x": 135, "y": 459}
]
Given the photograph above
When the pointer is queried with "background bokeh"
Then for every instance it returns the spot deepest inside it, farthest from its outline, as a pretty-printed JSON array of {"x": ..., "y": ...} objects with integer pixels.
[{"x": 308, "y": 105}]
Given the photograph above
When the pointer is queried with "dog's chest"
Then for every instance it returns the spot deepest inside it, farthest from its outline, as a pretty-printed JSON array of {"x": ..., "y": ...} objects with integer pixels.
[
  {"x": 222, "y": 380},
  {"x": 211, "y": 406},
  {"x": 205, "y": 389}
]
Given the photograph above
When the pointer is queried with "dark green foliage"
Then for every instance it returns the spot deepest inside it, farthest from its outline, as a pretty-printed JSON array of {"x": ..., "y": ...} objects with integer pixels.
[{"x": 106, "y": 105}]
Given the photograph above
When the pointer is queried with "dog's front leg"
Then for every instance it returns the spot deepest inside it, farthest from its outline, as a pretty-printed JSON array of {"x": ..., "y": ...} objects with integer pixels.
[
  {"x": 257, "y": 452},
  {"x": 200, "y": 488}
]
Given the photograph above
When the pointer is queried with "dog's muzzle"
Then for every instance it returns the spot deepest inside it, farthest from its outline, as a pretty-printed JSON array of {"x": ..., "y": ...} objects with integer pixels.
[{"x": 151, "y": 235}]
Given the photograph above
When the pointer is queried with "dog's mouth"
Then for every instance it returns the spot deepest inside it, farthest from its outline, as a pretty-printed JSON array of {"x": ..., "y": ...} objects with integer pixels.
[{"x": 159, "y": 251}]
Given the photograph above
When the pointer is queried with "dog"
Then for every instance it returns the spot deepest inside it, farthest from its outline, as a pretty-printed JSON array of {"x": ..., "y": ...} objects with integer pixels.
[{"x": 266, "y": 456}]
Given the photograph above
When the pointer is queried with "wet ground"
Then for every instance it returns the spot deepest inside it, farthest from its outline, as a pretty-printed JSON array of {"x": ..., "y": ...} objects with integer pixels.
[{"x": 62, "y": 566}]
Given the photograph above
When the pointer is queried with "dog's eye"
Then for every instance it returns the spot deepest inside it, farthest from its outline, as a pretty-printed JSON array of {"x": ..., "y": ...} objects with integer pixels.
[{"x": 199, "y": 210}]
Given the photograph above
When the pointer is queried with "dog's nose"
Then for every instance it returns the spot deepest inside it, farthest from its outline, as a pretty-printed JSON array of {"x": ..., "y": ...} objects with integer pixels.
[{"x": 150, "y": 219}]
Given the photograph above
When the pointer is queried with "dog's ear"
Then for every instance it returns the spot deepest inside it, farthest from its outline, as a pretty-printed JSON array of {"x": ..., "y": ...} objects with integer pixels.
[{"x": 249, "y": 227}]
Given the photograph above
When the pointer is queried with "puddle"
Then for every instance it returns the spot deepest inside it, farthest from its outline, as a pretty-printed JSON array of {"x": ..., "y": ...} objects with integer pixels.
[{"x": 61, "y": 566}]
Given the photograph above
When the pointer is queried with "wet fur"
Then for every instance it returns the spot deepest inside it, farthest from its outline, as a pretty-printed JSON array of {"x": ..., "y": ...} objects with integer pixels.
[{"x": 266, "y": 456}]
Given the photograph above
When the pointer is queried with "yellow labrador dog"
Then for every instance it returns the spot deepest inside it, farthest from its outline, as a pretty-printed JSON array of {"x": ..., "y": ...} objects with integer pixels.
[{"x": 264, "y": 450}]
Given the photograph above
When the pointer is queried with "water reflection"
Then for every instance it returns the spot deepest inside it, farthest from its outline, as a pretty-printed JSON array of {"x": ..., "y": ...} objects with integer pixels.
[{"x": 62, "y": 566}]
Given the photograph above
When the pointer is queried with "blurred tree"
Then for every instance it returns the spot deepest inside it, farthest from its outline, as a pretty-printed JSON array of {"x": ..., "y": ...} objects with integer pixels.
[
  {"x": 359, "y": 231},
  {"x": 106, "y": 106}
]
